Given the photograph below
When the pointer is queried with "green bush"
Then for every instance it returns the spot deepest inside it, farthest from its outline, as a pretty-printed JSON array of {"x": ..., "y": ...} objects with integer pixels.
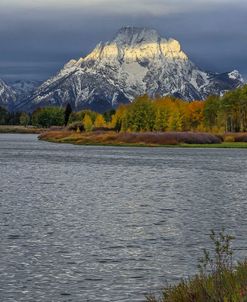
[
  {"x": 217, "y": 281},
  {"x": 24, "y": 119},
  {"x": 48, "y": 116}
]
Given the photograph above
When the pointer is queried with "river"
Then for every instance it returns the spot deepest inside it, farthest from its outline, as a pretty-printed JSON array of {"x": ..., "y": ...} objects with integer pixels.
[{"x": 87, "y": 223}]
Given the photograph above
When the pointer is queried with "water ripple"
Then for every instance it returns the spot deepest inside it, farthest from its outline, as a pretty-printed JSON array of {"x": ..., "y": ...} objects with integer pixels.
[{"x": 111, "y": 224}]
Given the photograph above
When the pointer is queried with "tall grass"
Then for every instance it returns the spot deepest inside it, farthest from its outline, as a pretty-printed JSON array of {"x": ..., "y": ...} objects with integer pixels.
[
  {"x": 218, "y": 280},
  {"x": 20, "y": 129}
]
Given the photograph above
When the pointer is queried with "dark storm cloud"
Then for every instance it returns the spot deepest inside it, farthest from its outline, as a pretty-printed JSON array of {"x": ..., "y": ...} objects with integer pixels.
[{"x": 35, "y": 41}]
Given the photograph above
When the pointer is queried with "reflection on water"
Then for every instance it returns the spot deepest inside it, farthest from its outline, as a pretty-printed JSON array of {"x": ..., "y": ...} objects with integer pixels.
[{"x": 107, "y": 223}]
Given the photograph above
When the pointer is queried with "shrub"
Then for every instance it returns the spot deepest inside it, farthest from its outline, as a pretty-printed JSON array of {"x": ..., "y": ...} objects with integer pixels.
[
  {"x": 197, "y": 138},
  {"x": 102, "y": 129},
  {"x": 169, "y": 138},
  {"x": 148, "y": 138},
  {"x": 220, "y": 137},
  {"x": 75, "y": 126},
  {"x": 241, "y": 138},
  {"x": 229, "y": 139},
  {"x": 217, "y": 279}
]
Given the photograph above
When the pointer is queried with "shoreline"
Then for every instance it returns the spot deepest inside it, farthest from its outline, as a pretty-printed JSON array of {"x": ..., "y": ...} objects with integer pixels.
[
  {"x": 20, "y": 129},
  {"x": 114, "y": 140}
]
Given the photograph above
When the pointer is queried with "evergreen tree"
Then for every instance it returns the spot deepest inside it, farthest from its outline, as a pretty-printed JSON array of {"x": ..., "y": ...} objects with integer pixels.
[
  {"x": 3, "y": 116},
  {"x": 67, "y": 112}
]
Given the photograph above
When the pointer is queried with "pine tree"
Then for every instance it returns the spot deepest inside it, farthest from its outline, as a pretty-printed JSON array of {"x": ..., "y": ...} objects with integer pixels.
[{"x": 67, "y": 112}]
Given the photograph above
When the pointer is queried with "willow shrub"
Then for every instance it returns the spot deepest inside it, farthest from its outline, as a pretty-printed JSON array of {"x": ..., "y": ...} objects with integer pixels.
[{"x": 217, "y": 280}]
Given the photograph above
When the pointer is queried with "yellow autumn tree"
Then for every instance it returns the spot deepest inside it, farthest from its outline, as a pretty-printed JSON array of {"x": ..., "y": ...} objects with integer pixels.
[
  {"x": 195, "y": 114},
  {"x": 176, "y": 121},
  {"x": 163, "y": 109},
  {"x": 99, "y": 121},
  {"x": 87, "y": 123},
  {"x": 118, "y": 121}
]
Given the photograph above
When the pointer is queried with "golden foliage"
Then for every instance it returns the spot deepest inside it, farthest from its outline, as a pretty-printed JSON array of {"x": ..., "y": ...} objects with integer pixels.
[
  {"x": 87, "y": 123},
  {"x": 99, "y": 121}
]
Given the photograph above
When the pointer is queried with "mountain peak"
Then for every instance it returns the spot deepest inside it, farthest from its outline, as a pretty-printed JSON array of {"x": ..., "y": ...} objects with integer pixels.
[
  {"x": 137, "y": 61},
  {"x": 135, "y": 35},
  {"x": 132, "y": 44}
]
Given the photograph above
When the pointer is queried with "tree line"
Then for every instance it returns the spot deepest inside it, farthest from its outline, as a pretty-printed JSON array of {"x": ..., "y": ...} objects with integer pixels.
[
  {"x": 41, "y": 117},
  {"x": 227, "y": 113},
  {"x": 216, "y": 114}
]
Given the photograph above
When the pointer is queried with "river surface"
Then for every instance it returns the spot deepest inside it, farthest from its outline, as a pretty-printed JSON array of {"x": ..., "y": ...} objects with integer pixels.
[{"x": 84, "y": 223}]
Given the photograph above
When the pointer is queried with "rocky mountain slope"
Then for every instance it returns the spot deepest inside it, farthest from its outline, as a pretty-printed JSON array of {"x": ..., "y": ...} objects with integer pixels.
[
  {"x": 135, "y": 62},
  {"x": 14, "y": 92},
  {"x": 24, "y": 88},
  {"x": 7, "y": 95}
]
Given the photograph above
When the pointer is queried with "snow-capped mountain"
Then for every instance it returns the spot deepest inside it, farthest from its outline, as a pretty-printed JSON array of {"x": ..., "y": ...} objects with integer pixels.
[
  {"x": 24, "y": 88},
  {"x": 7, "y": 95},
  {"x": 135, "y": 62},
  {"x": 13, "y": 92}
]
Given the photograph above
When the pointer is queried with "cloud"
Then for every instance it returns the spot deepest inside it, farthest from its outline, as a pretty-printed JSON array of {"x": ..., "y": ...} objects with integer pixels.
[
  {"x": 99, "y": 7},
  {"x": 43, "y": 35}
]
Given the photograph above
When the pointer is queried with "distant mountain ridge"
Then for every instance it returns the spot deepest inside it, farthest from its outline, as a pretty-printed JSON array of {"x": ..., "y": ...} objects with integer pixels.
[
  {"x": 14, "y": 92},
  {"x": 7, "y": 95},
  {"x": 137, "y": 61}
]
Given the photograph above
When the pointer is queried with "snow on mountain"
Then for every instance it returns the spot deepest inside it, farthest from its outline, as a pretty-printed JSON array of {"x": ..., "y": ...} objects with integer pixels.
[
  {"x": 24, "y": 88},
  {"x": 135, "y": 62},
  {"x": 7, "y": 95},
  {"x": 235, "y": 75},
  {"x": 13, "y": 92}
]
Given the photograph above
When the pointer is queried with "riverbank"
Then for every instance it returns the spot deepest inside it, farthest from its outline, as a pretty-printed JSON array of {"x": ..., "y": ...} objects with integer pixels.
[
  {"x": 150, "y": 139},
  {"x": 224, "y": 285},
  {"x": 21, "y": 129},
  {"x": 217, "y": 280}
]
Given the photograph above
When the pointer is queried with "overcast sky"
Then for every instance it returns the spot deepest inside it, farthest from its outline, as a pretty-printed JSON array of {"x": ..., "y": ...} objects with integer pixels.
[{"x": 38, "y": 37}]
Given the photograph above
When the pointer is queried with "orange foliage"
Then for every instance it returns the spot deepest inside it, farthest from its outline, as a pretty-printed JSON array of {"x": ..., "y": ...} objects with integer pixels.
[{"x": 168, "y": 114}]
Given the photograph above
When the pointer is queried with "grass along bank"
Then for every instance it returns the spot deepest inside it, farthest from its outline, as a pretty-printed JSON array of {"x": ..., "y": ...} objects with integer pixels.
[
  {"x": 20, "y": 129},
  {"x": 170, "y": 139},
  {"x": 221, "y": 145},
  {"x": 218, "y": 280}
]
